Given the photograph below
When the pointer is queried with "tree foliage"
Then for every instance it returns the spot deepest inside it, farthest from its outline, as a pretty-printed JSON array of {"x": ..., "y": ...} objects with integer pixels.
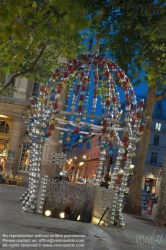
[
  {"x": 33, "y": 34},
  {"x": 134, "y": 32}
]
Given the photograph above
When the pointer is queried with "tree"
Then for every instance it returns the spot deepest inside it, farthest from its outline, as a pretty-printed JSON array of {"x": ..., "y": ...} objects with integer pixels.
[
  {"x": 134, "y": 32},
  {"x": 160, "y": 218},
  {"x": 33, "y": 34}
]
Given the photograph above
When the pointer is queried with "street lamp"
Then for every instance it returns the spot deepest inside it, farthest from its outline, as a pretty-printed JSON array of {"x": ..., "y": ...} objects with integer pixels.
[{"x": 84, "y": 157}]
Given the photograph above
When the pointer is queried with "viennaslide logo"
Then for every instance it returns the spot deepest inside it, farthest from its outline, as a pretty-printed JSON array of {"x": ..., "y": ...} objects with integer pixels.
[{"x": 147, "y": 239}]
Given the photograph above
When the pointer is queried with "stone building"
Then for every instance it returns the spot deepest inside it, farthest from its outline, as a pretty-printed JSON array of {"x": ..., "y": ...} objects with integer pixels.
[
  {"x": 14, "y": 141},
  {"x": 85, "y": 160}
]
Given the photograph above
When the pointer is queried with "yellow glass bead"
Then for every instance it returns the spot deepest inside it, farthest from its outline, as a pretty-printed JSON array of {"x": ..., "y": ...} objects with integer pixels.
[
  {"x": 68, "y": 139},
  {"x": 85, "y": 111},
  {"x": 103, "y": 136},
  {"x": 80, "y": 103},
  {"x": 34, "y": 111},
  {"x": 77, "y": 119},
  {"x": 52, "y": 122},
  {"x": 41, "y": 99}
]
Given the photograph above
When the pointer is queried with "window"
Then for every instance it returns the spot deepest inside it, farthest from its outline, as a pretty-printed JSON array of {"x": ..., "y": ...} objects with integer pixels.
[
  {"x": 159, "y": 105},
  {"x": 24, "y": 161},
  {"x": 159, "y": 113},
  {"x": 153, "y": 160},
  {"x": 35, "y": 90},
  {"x": 4, "y": 127},
  {"x": 158, "y": 126},
  {"x": 156, "y": 140},
  {"x": 4, "y": 145}
]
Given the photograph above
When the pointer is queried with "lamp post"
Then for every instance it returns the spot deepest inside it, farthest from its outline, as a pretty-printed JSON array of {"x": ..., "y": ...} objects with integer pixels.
[{"x": 84, "y": 157}]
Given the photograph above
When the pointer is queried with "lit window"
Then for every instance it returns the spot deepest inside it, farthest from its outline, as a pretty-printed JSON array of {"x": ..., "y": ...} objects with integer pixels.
[
  {"x": 158, "y": 126},
  {"x": 4, "y": 127},
  {"x": 4, "y": 144},
  {"x": 24, "y": 161}
]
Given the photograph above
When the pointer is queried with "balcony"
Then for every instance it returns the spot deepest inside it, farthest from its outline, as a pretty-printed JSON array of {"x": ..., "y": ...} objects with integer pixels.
[
  {"x": 158, "y": 130},
  {"x": 156, "y": 164},
  {"x": 159, "y": 117}
]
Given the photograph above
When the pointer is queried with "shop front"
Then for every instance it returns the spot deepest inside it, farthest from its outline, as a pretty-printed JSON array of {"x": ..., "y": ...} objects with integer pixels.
[{"x": 5, "y": 134}]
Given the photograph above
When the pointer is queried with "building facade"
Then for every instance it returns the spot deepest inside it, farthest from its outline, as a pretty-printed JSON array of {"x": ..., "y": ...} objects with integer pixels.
[
  {"x": 85, "y": 161},
  {"x": 14, "y": 140}
]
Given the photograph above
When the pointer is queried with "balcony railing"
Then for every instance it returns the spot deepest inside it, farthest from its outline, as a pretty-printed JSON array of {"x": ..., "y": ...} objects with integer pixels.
[
  {"x": 159, "y": 117},
  {"x": 158, "y": 130},
  {"x": 157, "y": 164}
]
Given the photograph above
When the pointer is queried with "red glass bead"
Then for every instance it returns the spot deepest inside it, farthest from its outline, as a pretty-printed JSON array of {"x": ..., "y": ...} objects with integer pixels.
[
  {"x": 122, "y": 74},
  {"x": 42, "y": 88},
  {"x": 76, "y": 130},
  {"x": 107, "y": 103},
  {"x": 138, "y": 115},
  {"x": 127, "y": 103},
  {"x": 59, "y": 91},
  {"x": 127, "y": 97},
  {"x": 32, "y": 102},
  {"x": 79, "y": 108},
  {"x": 141, "y": 104},
  {"x": 114, "y": 99},
  {"x": 66, "y": 74},
  {"x": 141, "y": 128},
  {"x": 54, "y": 76},
  {"x": 77, "y": 87},
  {"x": 105, "y": 124},
  {"x": 55, "y": 105},
  {"x": 51, "y": 127},
  {"x": 95, "y": 91},
  {"x": 104, "y": 130},
  {"x": 81, "y": 97},
  {"x": 126, "y": 144},
  {"x": 107, "y": 74},
  {"x": 96, "y": 77},
  {"x": 49, "y": 133},
  {"x": 110, "y": 144},
  {"x": 83, "y": 87},
  {"x": 124, "y": 158}
]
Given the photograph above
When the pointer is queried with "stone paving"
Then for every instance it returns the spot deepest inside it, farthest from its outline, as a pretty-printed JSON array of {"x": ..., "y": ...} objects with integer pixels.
[{"x": 33, "y": 228}]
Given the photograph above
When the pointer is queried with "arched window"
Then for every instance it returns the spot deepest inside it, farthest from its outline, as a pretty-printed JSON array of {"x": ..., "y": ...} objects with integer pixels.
[{"x": 4, "y": 127}]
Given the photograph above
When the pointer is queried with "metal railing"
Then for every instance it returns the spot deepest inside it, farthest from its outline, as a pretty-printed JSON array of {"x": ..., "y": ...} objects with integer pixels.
[
  {"x": 160, "y": 117},
  {"x": 158, "y": 130},
  {"x": 157, "y": 164}
]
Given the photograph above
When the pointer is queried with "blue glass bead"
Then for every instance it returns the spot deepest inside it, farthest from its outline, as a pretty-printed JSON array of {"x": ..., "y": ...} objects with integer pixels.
[
  {"x": 80, "y": 145},
  {"x": 88, "y": 146},
  {"x": 52, "y": 98}
]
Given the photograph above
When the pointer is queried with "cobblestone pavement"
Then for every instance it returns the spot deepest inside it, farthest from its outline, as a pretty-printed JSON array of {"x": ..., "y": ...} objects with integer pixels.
[{"x": 21, "y": 229}]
